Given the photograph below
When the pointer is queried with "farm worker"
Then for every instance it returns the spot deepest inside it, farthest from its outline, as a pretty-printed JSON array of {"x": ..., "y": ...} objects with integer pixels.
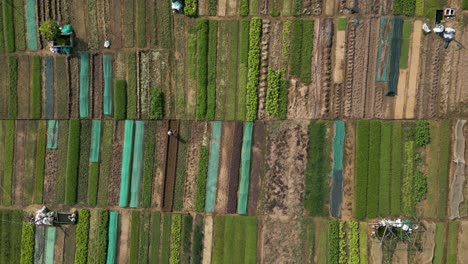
[{"x": 171, "y": 133}]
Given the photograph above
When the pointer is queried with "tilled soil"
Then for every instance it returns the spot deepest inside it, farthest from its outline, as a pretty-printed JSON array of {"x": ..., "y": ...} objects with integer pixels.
[
  {"x": 124, "y": 237},
  {"x": 59, "y": 243},
  {"x": 23, "y": 87},
  {"x": 224, "y": 164},
  {"x": 116, "y": 163},
  {"x": 97, "y": 86},
  {"x": 19, "y": 159},
  {"x": 169, "y": 181},
  {"x": 257, "y": 165},
  {"x": 428, "y": 242},
  {"x": 50, "y": 177},
  {"x": 73, "y": 74},
  {"x": 193, "y": 156},
  {"x": 348, "y": 173},
  {"x": 160, "y": 163},
  {"x": 207, "y": 239}
]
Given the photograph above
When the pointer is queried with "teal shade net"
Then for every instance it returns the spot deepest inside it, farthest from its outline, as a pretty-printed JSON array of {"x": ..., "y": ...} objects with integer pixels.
[
  {"x": 84, "y": 85},
  {"x": 213, "y": 165},
  {"x": 246, "y": 154},
  {"x": 112, "y": 237},
  {"x": 50, "y": 245},
  {"x": 137, "y": 163},
  {"x": 52, "y": 134},
  {"x": 31, "y": 24},
  {"x": 107, "y": 72},
  {"x": 126, "y": 163},
  {"x": 95, "y": 141}
]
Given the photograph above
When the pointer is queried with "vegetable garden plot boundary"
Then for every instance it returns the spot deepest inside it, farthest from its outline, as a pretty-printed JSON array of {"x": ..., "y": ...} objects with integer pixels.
[{"x": 84, "y": 85}]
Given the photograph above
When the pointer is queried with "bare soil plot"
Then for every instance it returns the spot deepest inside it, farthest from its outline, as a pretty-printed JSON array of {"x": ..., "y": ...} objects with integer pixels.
[
  {"x": 275, "y": 45},
  {"x": 169, "y": 181},
  {"x": 207, "y": 239},
  {"x": 414, "y": 61},
  {"x": 224, "y": 164},
  {"x": 123, "y": 240},
  {"x": 400, "y": 256},
  {"x": 74, "y": 77},
  {"x": 19, "y": 158},
  {"x": 23, "y": 87},
  {"x": 374, "y": 95},
  {"x": 463, "y": 242},
  {"x": 348, "y": 172},
  {"x": 193, "y": 155},
  {"x": 340, "y": 44},
  {"x": 258, "y": 166},
  {"x": 234, "y": 168},
  {"x": 116, "y": 163},
  {"x": 59, "y": 243},
  {"x": 231, "y": 6},
  {"x": 222, "y": 8},
  {"x": 78, "y": 16},
  {"x": 402, "y": 94},
  {"x": 160, "y": 163},
  {"x": 426, "y": 254},
  {"x": 69, "y": 244},
  {"x": 458, "y": 179}
]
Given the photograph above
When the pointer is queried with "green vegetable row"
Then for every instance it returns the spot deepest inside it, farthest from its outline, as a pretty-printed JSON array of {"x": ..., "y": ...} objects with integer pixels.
[{"x": 254, "y": 67}]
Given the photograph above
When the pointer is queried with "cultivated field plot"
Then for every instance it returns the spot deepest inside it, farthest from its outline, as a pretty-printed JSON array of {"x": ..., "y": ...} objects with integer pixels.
[{"x": 240, "y": 131}]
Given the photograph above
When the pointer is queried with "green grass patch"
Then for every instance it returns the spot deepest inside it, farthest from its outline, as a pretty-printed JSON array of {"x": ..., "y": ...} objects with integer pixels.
[
  {"x": 186, "y": 238},
  {"x": 408, "y": 175},
  {"x": 212, "y": 7},
  {"x": 155, "y": 237},
  {"x": 297, "y": 7},
  {"x": 419, "y": 9},
  {"x": 164, "y": 20},
  {"x": 197, "y": 244},
  {"x": 333, "y": 241},
  {"x": 8, "y": 162},
  {"x": 40, "y": 162},
  {"x": 83, "y": 170},
  {"x": 353, "y": 242},
  {"x": 465, "y": 4},
  {"x": 120, "y": 99},
  {"x": 62, "y": 96},
  {"x": 148, "y": 165},
  {"x": 243, "y": 68},
  {"x": 73, "y": 158},
  {"x": 98, "y": 234},
  {"x": 452, "y": 242},
  {"x": 202, "y": 175},
  {"x": 397, "y": 161},
  {"x": 128, "y": 24},
  {"x": 286, "y": 39},
  {"x": 218, "y": 239},
  {"x": 211, "y": 88},
  {"x": 318, "y": 167},
  {"x": 404, "y": 7},
  {"x": 93, "y": 183},
  {"x": 134, "y": 237},
  {"x": 131, "y": 86},
  {"x": 141, "y": 23},
  {"x": 157, "y": 104},
  {"x": 175, "y": 238},
  {"x": 243, "y": 8},
  {"x": 363, "y": 242},
  {"x": 385, "y": 168},
  {"x": 439, "y": 244},
  {"x": 13, "y": 83},
  {"x": 232, "y": 70},
  {"x": 62, "y": 161},
  {"x": 444, "y": 160},
  {"x": 9, "y": 25},
  {"x": 374, "y": 169},
  {"x": 341, "y": 23},
  {"x": 306, "y": 50},
  {"x": 296, "y": 47},
  {"x": 254, "y": 66},
  {"x": 191, "y": 8},
  {"x": 27, "y": 243},
  {"x": 405, "y": 44},
  {"x": 201, "y": 66},
  {"x": 433, "y": 171},
  {"x": 144, "y": 241},
  {"x": 361, "y": 169},
  {"x": 36, "y": 92},
  {"x": 166, "y": 238},
  {"x": 253, "y": 7},
  {"x": 422, "y": 133},
  {"x": 82, "y": 237}
]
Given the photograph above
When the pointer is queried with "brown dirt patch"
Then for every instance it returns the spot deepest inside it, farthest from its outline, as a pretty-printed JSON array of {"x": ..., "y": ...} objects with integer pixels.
[
  {"x": 193, "y": 156},
  {"x": 222, "y": 8},
  {"x": 224, "y": 163},
  {"x": 207, "y": 239},
  {"x": 73, "y": 75},
  {"x": 97, "y": 86},
  {"x": 275, "y": 46},
  {"x": 401, "y": 97},
  {"x": 69, "y": 244},
  {"x": 427, "y": 244},
  {"x": 202, "y": 7},
  {"x": 50, "y": 177},
  {"x": 360, "y": 62},
  {"x": 59, "y": 243},
  {"x": 400, "y": 256},
  {"x": 116, "y": 163},
  {"x": 78, "y": 14},
  {"x": 375, "y": 251},
  {"x": 124, "y": 236},
  {"x": 231, "y": 7},
  {"x": 373, "y": 97},
  {"x": 160, "y": 163},
  {"x": 19, "y": 158},
  {"x": 257, "y": 165},
  {"x": 23, "y": 87},
  {"x": 340, "y": 44},
  {"x": 169, "y": 181},
  {"x": 234, "y": 168},
  {"x": 348, "y": 173},
  {"x": 330, "y": 8},
  {"x": 462, "y": 252},
  {"x": 414, "y": 63}
]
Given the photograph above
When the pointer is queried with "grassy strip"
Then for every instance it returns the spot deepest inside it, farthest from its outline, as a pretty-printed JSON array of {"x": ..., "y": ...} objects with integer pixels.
[
  {"x": 405, "y": 43},
  {"x": 73, "y": 155},
  {"x": 433, "y": 171},
  {"x": 443, "y": 169},
  {"x": 134, "y": 237},
  {"x": 385, "y": 168},
  {"x": 322, "y": 240},
  {"x": 333, "y": 241},
  {"x": 36, "y": 93},
  {"x": 62, "y": 96},
  {"x": 296, "y": 47},
  {"x": 102, "y": 235},
  {"x": 29, "y": 161},
  {"x": 181, "y": 170},
  {"x": 253, "y": 7},
  {"x": 9, "y": 25},
  {"x": 452, "y": 242},
  {"x": 93, "y": 183},
  {"x": 2, "y": 35},
  {"x": 128, "y": 23},
  {"x": 202, "y": 66},
  {"x": 40, "y": 162},
  {"x": 439, "y": 244},
  {"x": 212, "y": 7},
  {"x": 397, "y": 161},
  {"x": 353, "y": 242},
  {"x": 218, "y": 240},
  {"x": 197, "y": 244},
  {"x": 62, "y": 161},
  {"x": 341, "y": 23},
  {"x": 186, "y": 238},
  {"x": 465, "y": 4},
  {"x": 20, "y": 25},
  {"x": 363, "y": 242},
  {"x": 27, "y": 243},
  {"x": 374, "y": 170},
  {"x": 232, "y": 70},
  {"x": 141, "y": 23},
  {"x": 13, "y": 83},
  {"x": 211, "y": 86},
  {"x": 166, "y": 239},
  {"x": 361, "y": 169},
  {"x": 286, "y": 39},
  {"x": 148, "y": 167},
  {"x": 318, "y": 166},
  {"x": 144, "y": 242},
  {"x": 8, "y": 162},
  {"x": 191, "y": 8},
  {"x": 200, "y": 191},
  {"x": 104, "y": 166},
  {"x": 131, "y": 86},
  {"x": 175, "y": 239},
  {"x": 254, "y": 64},
  {"x": 306, "y": 50},
  {"x": 243, "y": 68},
  {"x": 343, "y": 259},
  {"x": 155, "y": 237},
  {"x": 243, "y": 8},
  {"x": 85, "y": 146},
  {"x": 164, "y": 21},
  {"x": 157, "y": 104},
  {"x": 404, "y": 7},
  {"x": 408, "y": 175},
  {"x": 419, "y": 9},
  {"x": 273, "y": 92},
  {"x": 120, "y": 99},
  {"x": 82, "y": 237}
]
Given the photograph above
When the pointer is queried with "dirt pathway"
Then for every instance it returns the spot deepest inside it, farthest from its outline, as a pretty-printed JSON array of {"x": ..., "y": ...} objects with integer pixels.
[
  {"x": 207, "y": 239},
  {"x": 123, "y": 241},
  {"x": 402, "y": 95},
  {"x": 340, "y": 44},
  {"x": 375, "y": 256},
  {"x": 414, "y": 63}
]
